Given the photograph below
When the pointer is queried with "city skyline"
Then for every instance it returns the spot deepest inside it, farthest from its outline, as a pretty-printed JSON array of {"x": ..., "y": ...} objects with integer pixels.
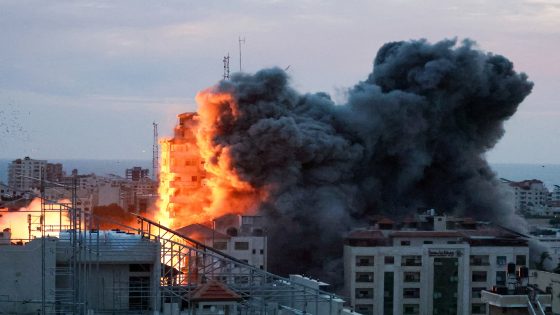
[{"x": 86, "y": 80}]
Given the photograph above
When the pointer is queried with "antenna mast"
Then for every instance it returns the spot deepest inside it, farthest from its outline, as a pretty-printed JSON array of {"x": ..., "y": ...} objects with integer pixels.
[
  {"x": 241, "y": 40},
  {"x": 155, "y": 153},
  {"x": 226, "y": 67}
]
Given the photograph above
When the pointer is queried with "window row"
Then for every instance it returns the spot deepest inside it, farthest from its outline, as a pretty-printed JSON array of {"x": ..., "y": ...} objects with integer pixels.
[
  {"x": 408, "y": 276},
  {"x": 408, "y": 309},
  {"x": 484, "y": 260},
  {"x": 367, "y": 293}
]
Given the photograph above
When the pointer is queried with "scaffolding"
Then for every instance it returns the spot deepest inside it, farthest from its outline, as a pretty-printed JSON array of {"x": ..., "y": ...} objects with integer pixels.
[{"x": 83, "y": 257}]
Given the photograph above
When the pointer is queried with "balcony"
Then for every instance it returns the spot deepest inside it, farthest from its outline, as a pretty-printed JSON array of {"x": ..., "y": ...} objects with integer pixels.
[{"x": 514, "y": 300}]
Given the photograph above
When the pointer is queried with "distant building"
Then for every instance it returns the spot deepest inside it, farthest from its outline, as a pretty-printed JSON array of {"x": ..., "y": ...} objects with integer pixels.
[
  {"x": 555, "y": 194},
  {"x": 530, "y": 196},
  {"x": 429, "y": 264},
  {"x": 54, "y": 172},
  {"x": 241, "y": 237},
  {"x": 94, "y": 190},
  {"x": 137, "y": 173},
  {"x": 26, "y": 174}
]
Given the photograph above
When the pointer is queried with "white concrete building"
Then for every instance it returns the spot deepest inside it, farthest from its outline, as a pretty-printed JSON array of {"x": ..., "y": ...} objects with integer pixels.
[
  {"x": 428, "y": 265},
  {"x": 530, "y": 196},
  {"x": 241, "y": 237},
  {"x": 22, "y": 173}
]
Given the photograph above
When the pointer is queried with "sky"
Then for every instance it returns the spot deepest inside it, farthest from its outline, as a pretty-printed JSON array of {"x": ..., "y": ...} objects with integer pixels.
[{"x": 86, "y": 79}]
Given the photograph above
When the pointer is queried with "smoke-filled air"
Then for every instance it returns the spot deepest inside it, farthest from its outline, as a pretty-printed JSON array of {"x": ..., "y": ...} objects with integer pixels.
[{"x": 413, "y": 134}]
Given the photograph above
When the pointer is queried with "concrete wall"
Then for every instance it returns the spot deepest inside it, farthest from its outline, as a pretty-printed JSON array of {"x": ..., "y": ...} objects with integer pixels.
[{"x": 21, "y": 275}]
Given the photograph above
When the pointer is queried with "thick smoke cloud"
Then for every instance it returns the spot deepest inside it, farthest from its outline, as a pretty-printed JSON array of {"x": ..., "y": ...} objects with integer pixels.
[{"x": 413, "y": 134}]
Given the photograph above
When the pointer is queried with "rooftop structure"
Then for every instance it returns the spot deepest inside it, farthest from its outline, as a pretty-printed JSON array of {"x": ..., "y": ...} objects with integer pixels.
[
  {"x": 429, "y": 264},
  {"x": 70, "y": 268},
  {"x": 517, "y": 296}
]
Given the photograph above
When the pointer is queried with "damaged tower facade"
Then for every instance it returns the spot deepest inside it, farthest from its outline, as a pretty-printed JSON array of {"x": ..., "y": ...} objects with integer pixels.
[{"x": 182, "y": 169}]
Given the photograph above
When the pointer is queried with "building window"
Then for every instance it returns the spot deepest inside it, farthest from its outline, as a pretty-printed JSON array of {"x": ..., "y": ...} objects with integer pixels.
[
  {"x": 413, "y": 260},
  {"x": 479, "y": 260},
  {"x": 261, "y": 252},
  {"x": 451, "y": 242},
  {"x": 193, "y": 178},
  {"x": 500, "y": 278},
  {"x": 389, "y": 260},
  {"x": 521, "y": 260},
  {"x": 139, "y": 293},
  {"x": 412, "y": 277},
  {"x": 475, "y": 293},
  {"x": 220, "y": 245},
  {"x": 365, "y": 309},
  {"x": 411, "y": 293},
  {"x": 364, "y": 293},
  {"x": 405, "y": 243},
  {"x": 428, "y": 242},
  {"x": 411, "y": 309},
  {"x": 501, "y": 260},
  {"x": 364, "y": 276},
  {"x": 362, "y": 261},
  {"x": 254, "y": 251},
  {"x": 478, "y": 308},
  {"x": 241, "y": 245},
  {"x": 479, "y": 276}
]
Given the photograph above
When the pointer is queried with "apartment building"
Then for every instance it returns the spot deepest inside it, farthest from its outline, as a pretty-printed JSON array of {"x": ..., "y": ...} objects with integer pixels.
[
  {"x": 26, "y": 174},
  {"x": 241, "y": 237},
  {"x": 530, "y": 196},
  {"x": 428, "y": 265}
]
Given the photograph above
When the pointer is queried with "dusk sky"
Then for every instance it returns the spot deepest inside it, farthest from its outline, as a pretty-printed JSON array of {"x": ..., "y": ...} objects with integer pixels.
[{"x": 86, "y": 79}]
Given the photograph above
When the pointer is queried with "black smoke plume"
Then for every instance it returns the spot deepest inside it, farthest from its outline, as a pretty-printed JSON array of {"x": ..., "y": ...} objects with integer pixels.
[{"x": 413, "y": 134}]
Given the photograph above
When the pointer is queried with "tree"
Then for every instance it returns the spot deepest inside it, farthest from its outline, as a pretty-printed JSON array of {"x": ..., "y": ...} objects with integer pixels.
[{"x": 544, "y": 257}]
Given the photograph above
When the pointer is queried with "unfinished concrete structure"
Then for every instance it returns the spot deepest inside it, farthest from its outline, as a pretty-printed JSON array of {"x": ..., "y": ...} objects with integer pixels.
[{"x": 73, "y": 268}]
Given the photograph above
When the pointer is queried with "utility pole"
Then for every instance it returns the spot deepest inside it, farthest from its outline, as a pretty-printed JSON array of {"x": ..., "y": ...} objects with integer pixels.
[
  {"x": 241, "y": 40},
  {"x": 155, "y": 153}
]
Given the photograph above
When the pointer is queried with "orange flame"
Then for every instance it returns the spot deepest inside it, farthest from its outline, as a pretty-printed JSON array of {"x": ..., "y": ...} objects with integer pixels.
[
  {"x": 26, "y": 223},
  {"x": 198, "y": 180}
]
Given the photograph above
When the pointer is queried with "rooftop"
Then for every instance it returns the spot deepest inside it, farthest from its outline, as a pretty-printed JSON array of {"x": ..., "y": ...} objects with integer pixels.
[
  {"x": 201, "y": 232},
  {"x": 214, "y": 291},
  {"x": 464, "y": 230}
]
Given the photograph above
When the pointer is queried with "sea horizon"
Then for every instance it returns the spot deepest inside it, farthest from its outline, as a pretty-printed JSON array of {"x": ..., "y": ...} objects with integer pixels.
[{"x": 549, "y": 174}]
